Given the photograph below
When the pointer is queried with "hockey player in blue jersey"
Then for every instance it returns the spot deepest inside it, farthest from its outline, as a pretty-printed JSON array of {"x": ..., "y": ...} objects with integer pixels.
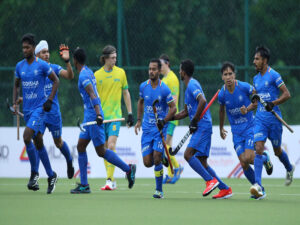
[
  {"x": 93, "y": 112},
  {"x": 235, "y": 97},
  {"x": 32, "y": 73},
  {"x": 197, "y": 151},
  {"x": 151, "y": 142},
  {"x": 53, "y": 120},
  {"x": 268, "y": 84}
]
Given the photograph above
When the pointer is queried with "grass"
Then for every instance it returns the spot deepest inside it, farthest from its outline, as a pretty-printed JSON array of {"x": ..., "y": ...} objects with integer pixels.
[{"x": 183, "y": 204}]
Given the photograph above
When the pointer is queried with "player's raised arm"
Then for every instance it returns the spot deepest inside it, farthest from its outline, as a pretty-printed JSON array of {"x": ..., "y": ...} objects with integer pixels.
[{"x": 65, "y": 55}]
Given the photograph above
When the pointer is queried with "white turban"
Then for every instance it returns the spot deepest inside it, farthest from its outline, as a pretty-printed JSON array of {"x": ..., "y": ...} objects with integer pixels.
[{"x": 42, "y": 45}]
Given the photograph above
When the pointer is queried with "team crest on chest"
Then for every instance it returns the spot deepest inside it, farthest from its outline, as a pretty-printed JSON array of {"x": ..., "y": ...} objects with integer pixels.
[
  {"x": 240, "y": 98},
  {"x": 266, "y": 83},
  {"x": 35, "y": 72}
]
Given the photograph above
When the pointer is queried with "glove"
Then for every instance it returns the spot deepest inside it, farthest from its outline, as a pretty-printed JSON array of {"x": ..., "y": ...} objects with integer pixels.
[
  {"x": 255, "y": 98},
  {"x": 47, "y": 105},
  {"x": 160, "y": 124},
  {"x": 269, "y": 106},
  {"x": 130, "y": 120},
  {"x": 193, "y": 126},
  {"x": 99, "y": 119}
]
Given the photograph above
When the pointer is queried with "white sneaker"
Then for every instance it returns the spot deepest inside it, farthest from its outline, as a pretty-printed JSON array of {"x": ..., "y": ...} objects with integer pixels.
[
  {"x": 256, "y": 190},
  {"x": 109, "y": 185},
  {"x": 289, "y": 176}
]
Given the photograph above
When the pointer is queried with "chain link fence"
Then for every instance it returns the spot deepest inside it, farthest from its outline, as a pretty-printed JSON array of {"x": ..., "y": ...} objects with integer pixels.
[{"x": 208, "y": 32}]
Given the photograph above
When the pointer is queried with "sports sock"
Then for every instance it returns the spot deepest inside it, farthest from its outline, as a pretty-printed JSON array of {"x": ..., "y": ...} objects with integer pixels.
[
  {"x": 249, "y": 174},
  {"x": 258, "y": 165},
  {"x": 113, "y": 158},
  {"x": 66, "y": 152},
  {"x": 285, "y": 161},
  {"x": 198, "y": 168},
  {"x": 45, "y": 160},
  {"x": 110, "y": 169},
  {"x": 221, "y": 185},
  {"x": 175, "y": 165},
  {"x": 83, "y": 161},
  {"x": 159, "y": 172},
  {"x": 32, "y": 155}
]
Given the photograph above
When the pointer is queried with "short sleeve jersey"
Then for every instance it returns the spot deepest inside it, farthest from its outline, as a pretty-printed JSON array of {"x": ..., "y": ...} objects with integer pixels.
[
  {"x": 192, "y": 92},
  {"x": 48, "y": 89},
  {"x": 267, "y": 87},
  {"x": 149, "y": 95},
  {"x": 172, "y": 82},
  {"x": 86, "y": 77},
  {"x": 110, "y": 85},
  {"x": 33, "y": 78},
  {"x": 233, "y": 102}
]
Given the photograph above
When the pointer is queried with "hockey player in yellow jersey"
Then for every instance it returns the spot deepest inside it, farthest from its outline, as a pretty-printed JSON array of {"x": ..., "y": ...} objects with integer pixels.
[
  {"x": 172, "y": 82},
  {"x": 111, "y": 85}
]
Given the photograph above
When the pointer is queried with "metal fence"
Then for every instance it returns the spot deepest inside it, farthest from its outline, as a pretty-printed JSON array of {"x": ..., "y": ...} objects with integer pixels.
[{"x": 208, "y": 32}]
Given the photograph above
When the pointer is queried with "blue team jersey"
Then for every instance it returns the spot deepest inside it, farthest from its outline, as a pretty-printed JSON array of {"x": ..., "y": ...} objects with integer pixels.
[
  {"x": 192, "y": 92},
  {"x": 86, "y": 77},
  {"x": 48, "y": 89},
  {"x": 233, "y": 102},
  {"x": 33, "y": 78},
  {"x": 163, "y": 94},
  {"x": 267, "y": 87}
]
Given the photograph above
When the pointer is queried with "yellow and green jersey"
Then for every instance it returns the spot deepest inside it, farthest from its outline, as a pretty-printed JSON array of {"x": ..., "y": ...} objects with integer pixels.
[
  {"x": 172, "y": 82},
  {"x": 110, "y": 85}
]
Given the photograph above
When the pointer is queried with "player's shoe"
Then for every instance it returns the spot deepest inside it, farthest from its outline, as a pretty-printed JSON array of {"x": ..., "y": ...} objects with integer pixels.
[
  {"x": 158, "y": 194},
  {"x": 109, "y": 185},
  {"x": 70, "y": 170},
  {"x": 33, "y": 183},
  {"x": 268, "y": 164},
  {"x": 51, "y": 183},
  {"x": 167, "y": 179},
  {"x": 165, "y": 161},
  {"x": 223, "y": 194},
  {"x": 177, "y": 172},
  {"x": 256, "y": 190},
  {"x": 289, "y": 176},
  {"x": 210, "y": 186},
  {"x": 131, "y": 175},
  {"x": 259, "y": 198},
  {"x": 81, "y": 189}
]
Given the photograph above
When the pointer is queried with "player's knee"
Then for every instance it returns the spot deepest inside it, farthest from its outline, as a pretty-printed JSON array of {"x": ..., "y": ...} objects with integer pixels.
[
  {"x": 277, "y": 151},
  {"x": 111, "y": 146},
  {"x": 187, "y": 155},
  {"x": 101, "y": 151},
  {"x": 244, "y": 164},
  {"x": 148, "y": 164},
  {"x": 58, "y": 143},
  {"x": 259, "y": 148}
]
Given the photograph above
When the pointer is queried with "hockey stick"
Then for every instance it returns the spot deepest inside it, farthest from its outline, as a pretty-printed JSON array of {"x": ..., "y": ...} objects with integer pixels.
[
  {"x": 257, "y": 97},
  {"x": 186, "y": 136},
  {"x": 162, "y": 136},
  {"x": 81, "y": 126},
  {"x": 13, "y": 110}
]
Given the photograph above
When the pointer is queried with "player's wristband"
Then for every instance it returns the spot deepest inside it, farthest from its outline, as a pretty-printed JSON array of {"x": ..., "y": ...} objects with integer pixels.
[{"x": 96, "y": 101}]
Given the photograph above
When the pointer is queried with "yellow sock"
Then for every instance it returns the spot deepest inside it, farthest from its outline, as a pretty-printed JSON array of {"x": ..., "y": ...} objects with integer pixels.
[
  {"x": 175, "y": 165},
  {"x": 110, "y": 169}
]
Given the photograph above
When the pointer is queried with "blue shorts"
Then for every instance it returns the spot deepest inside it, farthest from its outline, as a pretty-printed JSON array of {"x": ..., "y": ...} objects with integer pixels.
[
  {"x": 273, "y": 131},
  {"x": 35, "y": 120},
  {"x": 54, "y": 124},
  {"x": 152, "y": 141},
  {"x": 94, "y": 133},
  {"x": 201, "y": 141},
  {"x": 112, "y": 129},
  {"x": 243, "y": 140}
]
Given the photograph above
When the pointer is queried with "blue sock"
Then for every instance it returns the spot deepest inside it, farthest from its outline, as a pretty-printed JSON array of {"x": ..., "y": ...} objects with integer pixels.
[
  {"x": 45, "y": 160},
  {"x": 37, "y": 160},
  {"x": 159, "y": 172},
  {"x": 198, "y": 168},
  {"x": 83, "y": 161},
  {"x": 114, "y": 159},
  {"x": 258, "y": 165},
  {"x": 285, "y": 161},
  {"x": 221, "y": 185},
  {"x": 66, "y": 152},
  {"x": 249, "y": 174},
  {"x": 32, "y": 153}
]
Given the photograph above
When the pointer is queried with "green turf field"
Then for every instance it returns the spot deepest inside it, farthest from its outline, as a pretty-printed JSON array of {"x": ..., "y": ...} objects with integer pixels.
[{"x": 183, "y": 204}]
